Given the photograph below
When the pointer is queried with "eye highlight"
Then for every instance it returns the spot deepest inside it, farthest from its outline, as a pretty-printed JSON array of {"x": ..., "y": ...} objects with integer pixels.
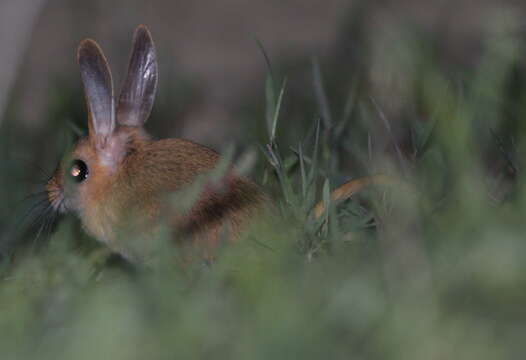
[{"x": 79, "y": 171}]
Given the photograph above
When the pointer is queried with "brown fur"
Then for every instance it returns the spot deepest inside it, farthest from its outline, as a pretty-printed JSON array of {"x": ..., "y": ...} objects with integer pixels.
[
  {"x": 131, "y": 178},
  {"x": 137, "y": 193}
]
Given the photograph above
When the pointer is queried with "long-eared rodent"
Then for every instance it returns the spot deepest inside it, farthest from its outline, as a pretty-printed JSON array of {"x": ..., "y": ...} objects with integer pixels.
[{"x": 118, "y": 177}]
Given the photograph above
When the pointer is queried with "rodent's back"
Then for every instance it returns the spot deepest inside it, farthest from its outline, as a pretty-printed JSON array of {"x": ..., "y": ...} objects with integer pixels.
[
  {"x": 166, "y": 165},
  {"x": 155, "y": 170}
]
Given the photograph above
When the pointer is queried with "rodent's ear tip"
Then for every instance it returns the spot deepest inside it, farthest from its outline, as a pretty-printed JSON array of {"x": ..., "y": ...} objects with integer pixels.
[
  {"x": 143, "y": 31},
  {"x": 88, "y": 47},
  {"x": 142, "y": 27}
]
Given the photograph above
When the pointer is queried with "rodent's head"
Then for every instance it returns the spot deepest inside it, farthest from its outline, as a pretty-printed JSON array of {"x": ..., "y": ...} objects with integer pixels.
[{"x": 115, "y": 130}]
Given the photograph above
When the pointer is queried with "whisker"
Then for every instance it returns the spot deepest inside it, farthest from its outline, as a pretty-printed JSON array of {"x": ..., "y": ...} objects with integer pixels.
[
  {"x": 32, "y": 196},
  {"x": 34, "y": 208},
  {"x": 34, "y": 165},
  {"x": 31, "y": 167},
  {"x": 46, "y": 174},
  {"x": 45, "y": 220},
  {"x": 39, "y": 232}
]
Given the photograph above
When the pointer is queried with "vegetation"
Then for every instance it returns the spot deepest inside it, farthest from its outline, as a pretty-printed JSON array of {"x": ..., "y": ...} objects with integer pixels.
[{"x": 429, "y": 267}]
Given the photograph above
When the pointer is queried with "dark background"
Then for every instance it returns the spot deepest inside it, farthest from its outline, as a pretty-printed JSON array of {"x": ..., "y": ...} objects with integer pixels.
[{"x": 211, "y": 68}]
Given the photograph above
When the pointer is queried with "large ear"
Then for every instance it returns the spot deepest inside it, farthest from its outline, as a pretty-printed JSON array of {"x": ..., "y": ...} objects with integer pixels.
[
  {"x": 138, "y": 92},
  {"x": 98, "y": 88}
]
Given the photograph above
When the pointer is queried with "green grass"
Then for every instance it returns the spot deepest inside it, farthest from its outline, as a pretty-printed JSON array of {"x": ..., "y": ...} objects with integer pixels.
[{"x": 429, "y": 268}]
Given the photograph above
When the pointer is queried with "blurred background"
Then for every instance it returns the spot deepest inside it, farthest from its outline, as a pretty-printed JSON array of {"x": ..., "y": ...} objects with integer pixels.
[
  {"x": 211, "y": 67},
  {"x": 431, "y": 92}
]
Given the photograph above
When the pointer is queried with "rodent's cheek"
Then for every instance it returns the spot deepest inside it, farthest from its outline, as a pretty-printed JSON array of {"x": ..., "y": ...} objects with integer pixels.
[{"x": 72, "y": 196}]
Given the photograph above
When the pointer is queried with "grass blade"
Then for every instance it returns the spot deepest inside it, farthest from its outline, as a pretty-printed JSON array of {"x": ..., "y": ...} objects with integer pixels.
[
  {"x": 321, "y": 95},
  {"x": 277, "y": 111}
]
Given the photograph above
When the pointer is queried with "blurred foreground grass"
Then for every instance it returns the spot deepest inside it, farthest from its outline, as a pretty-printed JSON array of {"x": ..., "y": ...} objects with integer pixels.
[{"x": 431, "y": 268}]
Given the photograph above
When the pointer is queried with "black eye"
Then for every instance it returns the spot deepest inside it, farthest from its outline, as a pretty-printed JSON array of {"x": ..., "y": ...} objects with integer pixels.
[{"x": 79, "y": 170}]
